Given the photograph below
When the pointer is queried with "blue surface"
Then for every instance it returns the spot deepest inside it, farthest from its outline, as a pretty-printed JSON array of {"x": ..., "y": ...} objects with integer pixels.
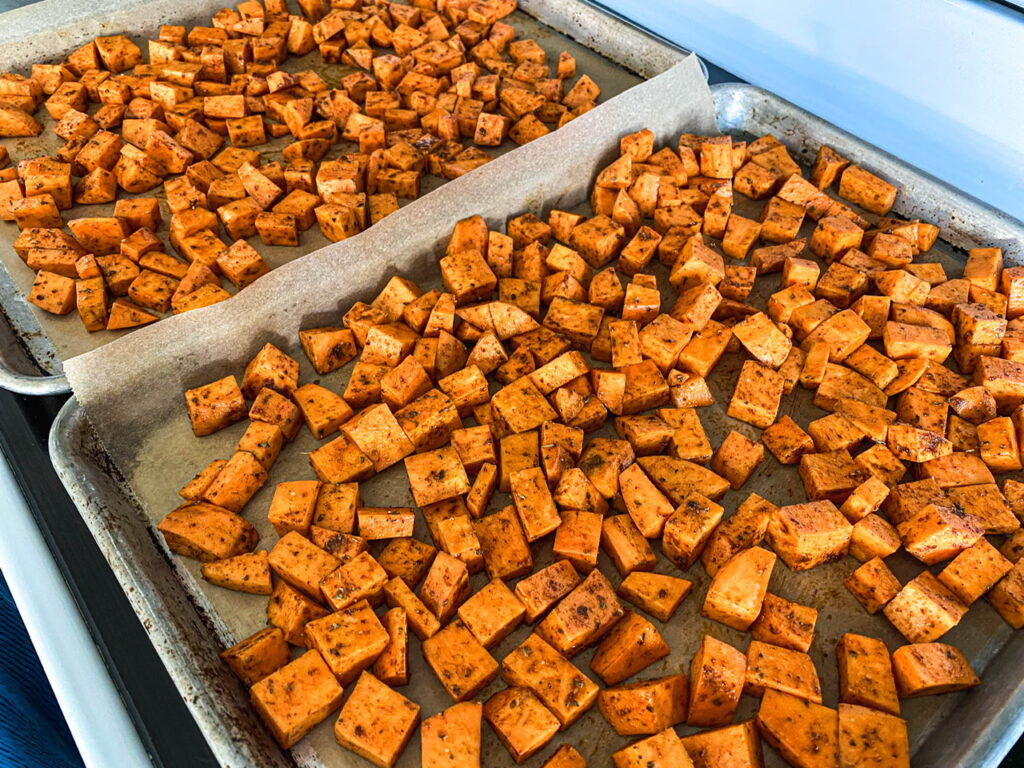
[
  {"x": 937, "y": 83},
  {"x": 33, "y": 733}
]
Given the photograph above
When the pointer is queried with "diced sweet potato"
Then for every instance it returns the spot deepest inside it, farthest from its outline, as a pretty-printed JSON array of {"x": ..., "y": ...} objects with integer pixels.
[
  {"x": 645, "y": 707},
  {"x": 562, "y": 688},
  {"x": 807, "y": 535},
  {"x": 296, "y": 697},
  {"x": 806, "y": 734},
  {"x": 664, "y": 748},
  {"x": 865, "y": 673},
  {"x": 926, "y": 669},
  {"x": 924, "y": 610},
  {"x": 717, "y": 673},
  {"x": 868, "y": 737},
  {"x": 376, "y": 722},
  {"x": 249, "y": 572}
]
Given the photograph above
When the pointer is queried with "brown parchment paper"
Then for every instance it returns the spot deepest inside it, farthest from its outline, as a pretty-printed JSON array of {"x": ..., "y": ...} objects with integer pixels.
[
  {"x": 55, "y": 338},
  {"x": 132, "y": 392}
]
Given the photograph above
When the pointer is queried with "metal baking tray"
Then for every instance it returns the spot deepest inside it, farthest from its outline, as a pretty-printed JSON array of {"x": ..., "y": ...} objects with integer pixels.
[
  {"x": 959, "y": 731},
  {"x": 33, "y": 344}
]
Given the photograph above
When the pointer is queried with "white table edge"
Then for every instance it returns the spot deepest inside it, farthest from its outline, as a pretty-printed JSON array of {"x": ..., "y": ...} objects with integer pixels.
[{"x": 95, "y": 713}]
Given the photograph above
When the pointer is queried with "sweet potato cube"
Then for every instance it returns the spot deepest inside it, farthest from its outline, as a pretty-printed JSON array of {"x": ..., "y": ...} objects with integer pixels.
[
  {"x": 974, "y": 571},
  {"x": 938, "y": 532},
  {"x": 376, "y": 433},
  {"x": 584, "y": 616},
  {"x": 632, "y": 645},
  {"x": 757, "y": 395},
  {"x": 523, "y": 724},
  {"x": 785, "y": 623},
  {"x": 293, "y": 505},
  {"x": 926, "y": 669},
  {"x": 506, "y": 549},
  {"x": 738, "y": 589},
  {"x": 533, "y": 503},
  {"x": 645, "y": 503},
  {"x": 53, "y": 293},
  {"x": 873, "y": 536},
  {"x": 645, "y": 707},
  {"x": 805, "y": 733},
  {"x": 868, "y": 737},
  {"x": 214, "y": 406},
  {"x": 762, "y": 339},
  {"x": 873, "y": 584},
  {"x": 924, "y": 610},
  {"x": 717, "y": 673},
  {"x": 770, "y": 667},
  {"x": 452, "y": 736},
  {"x": 436, "y": 476},
  {"x": 563, "y": 689},
  {"x": 296, "y": 697},
  {"x": 376, "y": 722},
  {"x": 655, "y": 593},
  {"x": 467, "y": 276},
  {"x": 786, "y": 441},
  {"x": 446, "y": 586},
  {"x": 689, "y": 528},
  {"x": 291, "y": 610},
  {"x": 806, "y": 535},
  {"x": 492, "y": 613},
  {"x": 830, "y": 476},
  {"x": 392, "y": 666},
  {"x": 664, "y": 748},
  {"x": 739, "y": 743},
  {"x": 237, "y": 482},
  {"x": 324, "y": 411},
  {"x": 91, "y": 303},
  {"x": 460, "y": 661},
  {"x": 543, "y": 589},
  {"x": 301, "y": 563},
  {"x": 863, "y": 188},
  {"x": 361, "y": 578},
  {"x": 327, "y": 348},
  {"x": 737, "y": 458},
  {"x": 865, "y": 673},
  {"x": 349, "y": 640},
  {"x": 625, "y": 545},
  {"x": 207, "y": 532},
  {"x": 834, "y": 236},
  {"x": 258, "y": 656},
  {"x": 270, "y": 368}
]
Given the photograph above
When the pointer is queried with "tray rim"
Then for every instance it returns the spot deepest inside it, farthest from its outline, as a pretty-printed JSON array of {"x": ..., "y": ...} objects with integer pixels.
[{"x": 997, "y": 727}]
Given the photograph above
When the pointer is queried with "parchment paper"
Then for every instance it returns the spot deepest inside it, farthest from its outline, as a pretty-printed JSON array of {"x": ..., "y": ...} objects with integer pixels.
[
  {"x": 132, "y": 391},
  {"x": 63, "y": 337}
]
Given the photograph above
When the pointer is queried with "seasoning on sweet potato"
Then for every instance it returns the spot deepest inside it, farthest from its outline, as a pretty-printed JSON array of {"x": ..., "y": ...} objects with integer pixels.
[
  {"x": 376, "y": 722},
  {"x": 539, "y": 667},
  {"x": 462, "y": 664},
  {"x": 258, "y": 655},
  {"x": 452, "y": 736},
  {"x": 207, "y": 532},
  {"x": 865, "y": 673},
  {"x": 296, "y": 697},
  {"x": 926, "y": 669},
  {"x": 248, "y": 572}
]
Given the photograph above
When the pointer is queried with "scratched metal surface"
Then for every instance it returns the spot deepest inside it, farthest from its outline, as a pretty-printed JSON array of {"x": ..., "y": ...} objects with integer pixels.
[
  {"x": 33, "y": 343},
  {"x": 962, "y": 730}
]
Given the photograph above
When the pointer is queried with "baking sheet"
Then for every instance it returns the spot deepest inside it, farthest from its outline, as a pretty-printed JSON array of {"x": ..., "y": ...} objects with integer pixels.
[
  {"x": 152, "y": 442},
  {"x": 626, "y": 57},
  {"x": 156, "y": 448}
]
